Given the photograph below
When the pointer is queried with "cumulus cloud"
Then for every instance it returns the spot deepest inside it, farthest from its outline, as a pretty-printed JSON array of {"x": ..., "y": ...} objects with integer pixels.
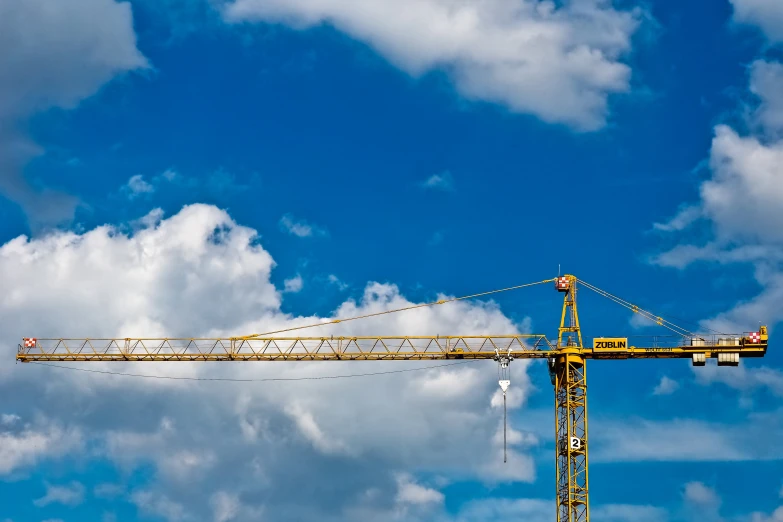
[
  {"x": 33, "y": 443},
  {"x": 154, "y": 503},
  {"x": 540, "y": 510},
  {"x": 409, "y": 492},
  {"x": 87, "y": 43},
  {"x": 225, "y": 506},
  {"x": 683, "y": 219},
  {"x": 294, "y": 284},
  {"x": 702, "y": 501},
  {"x": 685, "y": 440},
  {"x": 698, "y": 493},
  {"x": 765, "y": 81},
  {"x": 334, "y": 280},
  {"x": 766, "y": 14},
  {"x": 199, "y": 273},
  {"x": 741, "y": 378},
  {"x": 8, "y": 419},
  {"x": 68, "y": 494},
  {"x": 775, "y": 516},
  {"x": 299, "y": 228},
  {"x": 745, "y": 168},
  {"x": 137, "y": 186},
  {"x": 559, "y": 63},
  {"x": 667, "y": 386},
  {"x": 443, "y": 181},
  {"x": 312, "y": 432}
]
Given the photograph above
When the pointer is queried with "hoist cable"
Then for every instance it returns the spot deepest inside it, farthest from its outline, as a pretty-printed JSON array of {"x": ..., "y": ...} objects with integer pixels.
[
  {"x": 504, "y": 427},
  {"x": 228, "y": 379},
  {"x": 422, "y": 305}
]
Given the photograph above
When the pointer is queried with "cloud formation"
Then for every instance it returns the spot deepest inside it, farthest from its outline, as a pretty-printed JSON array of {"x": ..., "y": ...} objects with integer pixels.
[
  {"x": 559, "y": 63},
  {"x": 71, "y": 494},
  {"x": 199, "y": 273},
  {"x": 745, "y": 169},
  {"x": 87, "y": 43},
  {"x": 443, "y": 181},
  {"x": 299, "y": 227},
  {"x": 766, "y": 14},
  {"x": 667, "y": 386}
]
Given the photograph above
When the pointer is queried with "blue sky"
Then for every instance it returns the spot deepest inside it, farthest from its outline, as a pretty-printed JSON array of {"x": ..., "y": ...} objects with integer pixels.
[{"x": 420, "y": 150}]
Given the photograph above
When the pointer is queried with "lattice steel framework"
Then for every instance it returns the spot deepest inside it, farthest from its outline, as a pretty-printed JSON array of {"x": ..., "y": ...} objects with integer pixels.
[
  {"x": 570, "y": 412},
  {"x": 566, "y": 363},
  {"x": 571, "y": 430}
]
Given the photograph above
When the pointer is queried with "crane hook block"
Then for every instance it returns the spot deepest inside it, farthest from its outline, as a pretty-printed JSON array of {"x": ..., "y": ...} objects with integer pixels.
[{"x": 504, "y": 384}]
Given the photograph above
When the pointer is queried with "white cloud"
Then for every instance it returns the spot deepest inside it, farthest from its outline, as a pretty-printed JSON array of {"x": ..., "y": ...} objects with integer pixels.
[
  {"x": 294, "y": 284},
  {"x": 776, "y": 516},
  {"x": 443, "y": 181},
  {"x": 409, "y": 492},
  {"x": 702, "y": 502},
  {"x": 217, "y": 183},
  {"x": 9, "y": 419},
  {"x": 532, "y": 510},
  {"x": 745, "y": 168},
  {"x": 540, "y": 510},
  {"x": 767, "y": 14},
  {"x": 137, "y": 186},
  {"x": 86, "y": 44},
  {"x": 741, "y": 378},
  {"x": 333, "y": 279},
  {"x": 557, "y": 63},
  {"x": 157, "y": 504},
  {"x": 198, "y": 273},
  {"x": 225, "y": 506},
  {"x": 682, "y": 220},
  {"x": 33, "y": 444},
  {"x": 667, "y": 386},
  {"x": 129, "y": 449},
  {"x": 328, "y": 444},
  {"x": 300, "y": 228},
  {"x": 70, "y": 495},
  {"x": 698, "y": 493},
  {"x": 685, "y": 440},
  {"x": 765, "y": 81},
  {"x": 630, "y": 513}
]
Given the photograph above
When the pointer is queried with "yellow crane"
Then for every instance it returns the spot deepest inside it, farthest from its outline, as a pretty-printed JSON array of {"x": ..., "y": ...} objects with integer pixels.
[{"x": 566, "y": 361}]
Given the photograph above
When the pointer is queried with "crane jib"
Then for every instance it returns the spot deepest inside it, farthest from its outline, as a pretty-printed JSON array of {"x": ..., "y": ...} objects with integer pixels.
[{"x": 566, "y": 360}]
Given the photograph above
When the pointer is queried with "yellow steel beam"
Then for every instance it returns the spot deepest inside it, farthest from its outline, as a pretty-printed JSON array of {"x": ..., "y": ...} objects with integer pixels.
[
  {"x": 344, "y": 349},
  {"x": 286, "y": 348},
  {"x": 568, "y": 365}
]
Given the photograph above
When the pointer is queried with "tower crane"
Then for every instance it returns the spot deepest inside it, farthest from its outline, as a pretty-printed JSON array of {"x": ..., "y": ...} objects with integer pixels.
[{"x": 566, "y": 360}]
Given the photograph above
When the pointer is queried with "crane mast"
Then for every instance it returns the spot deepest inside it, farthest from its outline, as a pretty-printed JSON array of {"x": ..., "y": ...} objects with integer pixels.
[
  {"x": 566, "y": 360},
  {"x": 568, "y": 370}
]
